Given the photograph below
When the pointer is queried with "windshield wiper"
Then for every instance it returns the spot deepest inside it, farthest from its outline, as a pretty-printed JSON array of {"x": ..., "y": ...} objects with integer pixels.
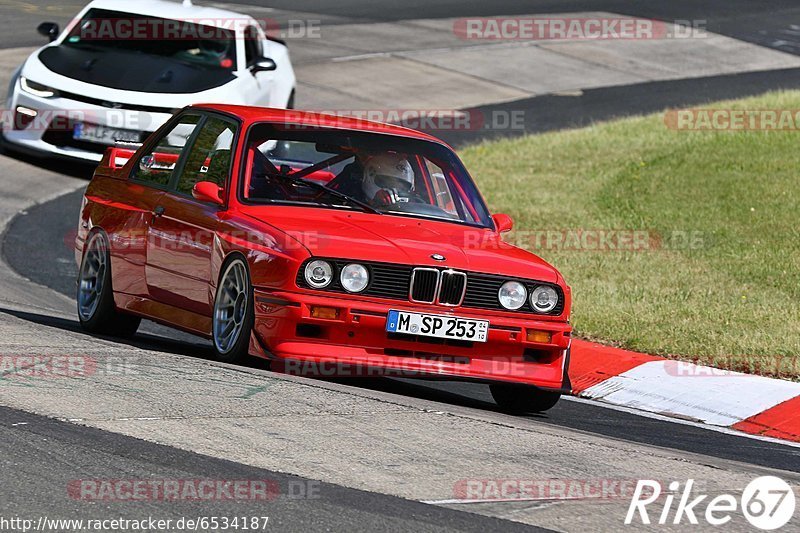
[{"x": 333, "y": 192}]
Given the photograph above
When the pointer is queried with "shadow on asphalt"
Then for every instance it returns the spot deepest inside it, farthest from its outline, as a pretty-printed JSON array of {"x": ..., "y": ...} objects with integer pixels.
[
  {"x": 76, "y": 169},
  {"x": 419, "y": 389}
]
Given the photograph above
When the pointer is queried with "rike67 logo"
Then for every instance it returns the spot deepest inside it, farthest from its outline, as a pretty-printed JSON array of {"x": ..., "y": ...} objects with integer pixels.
[{"x": 767, "y": 502}]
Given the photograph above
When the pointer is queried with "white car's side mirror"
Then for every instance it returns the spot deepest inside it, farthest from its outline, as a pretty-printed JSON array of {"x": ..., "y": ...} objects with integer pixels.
[{"x": 264, "y": 64}]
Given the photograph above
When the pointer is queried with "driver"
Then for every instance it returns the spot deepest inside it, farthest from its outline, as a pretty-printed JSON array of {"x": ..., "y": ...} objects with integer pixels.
[{"x": 387, "y": 179}]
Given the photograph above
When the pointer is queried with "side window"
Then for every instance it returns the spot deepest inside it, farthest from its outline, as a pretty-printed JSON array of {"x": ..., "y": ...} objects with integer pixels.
[
  {"x": 253, "y": 49},
  {"x": 157, "y": 166},
  {"x": 209, "y": 158},
  {"x": 441, "y": 190}
]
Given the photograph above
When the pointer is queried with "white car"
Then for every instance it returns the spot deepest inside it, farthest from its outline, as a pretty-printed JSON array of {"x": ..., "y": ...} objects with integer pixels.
[{"x": 120, "y": 69}]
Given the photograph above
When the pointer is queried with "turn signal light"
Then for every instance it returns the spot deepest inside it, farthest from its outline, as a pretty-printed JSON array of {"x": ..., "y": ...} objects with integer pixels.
[
  {"x": 535, "y": 335},
  {"x": 330, "y": 313}
]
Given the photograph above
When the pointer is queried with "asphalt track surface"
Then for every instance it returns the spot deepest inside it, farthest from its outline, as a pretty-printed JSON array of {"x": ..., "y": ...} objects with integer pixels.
[
  {"x": 39, "y": 454},
  {"x": 47, "y": 455},
  {"x": 37, "y": 244},
  {"x": 765, "y": 23}
]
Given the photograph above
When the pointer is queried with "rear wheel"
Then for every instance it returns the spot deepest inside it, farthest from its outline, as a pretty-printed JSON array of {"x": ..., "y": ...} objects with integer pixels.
[
  {"x": 234, "y": 316},
  {"x": 520, "y": 399},
  {"x": 96, "y": 310}
]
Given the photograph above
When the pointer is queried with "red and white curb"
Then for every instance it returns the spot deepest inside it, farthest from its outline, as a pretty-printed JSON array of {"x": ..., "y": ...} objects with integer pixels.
[{"x": 752, "y": 404}]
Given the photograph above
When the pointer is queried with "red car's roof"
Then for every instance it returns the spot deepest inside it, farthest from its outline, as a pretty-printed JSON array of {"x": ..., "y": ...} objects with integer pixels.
[{"x": 310, "y": 118}]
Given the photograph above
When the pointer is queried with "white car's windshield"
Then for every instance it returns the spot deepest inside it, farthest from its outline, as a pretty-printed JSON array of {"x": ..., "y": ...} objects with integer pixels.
[{"x": 196, "y": 44}]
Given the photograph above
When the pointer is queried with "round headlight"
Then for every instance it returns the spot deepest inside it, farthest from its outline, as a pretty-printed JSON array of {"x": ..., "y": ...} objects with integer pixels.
[
  {"x": 512, "y": 295},
  {"x": 354, "y": 277},
  {"x": 319, "y": 274},
  {"x": 544, "y": 299}
]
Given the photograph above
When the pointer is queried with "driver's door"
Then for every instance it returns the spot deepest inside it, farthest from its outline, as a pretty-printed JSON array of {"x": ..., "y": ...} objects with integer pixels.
[{"x": 179, "y": 260}]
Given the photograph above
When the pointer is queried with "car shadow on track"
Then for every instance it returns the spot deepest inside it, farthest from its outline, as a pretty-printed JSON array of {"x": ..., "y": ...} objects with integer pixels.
[
  {"x": 473, "y": 395},
  {"x": 76, "y": 169}
]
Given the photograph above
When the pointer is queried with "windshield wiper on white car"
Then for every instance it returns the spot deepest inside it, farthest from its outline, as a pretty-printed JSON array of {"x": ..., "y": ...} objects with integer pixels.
[{"x": 333, "y": 192}]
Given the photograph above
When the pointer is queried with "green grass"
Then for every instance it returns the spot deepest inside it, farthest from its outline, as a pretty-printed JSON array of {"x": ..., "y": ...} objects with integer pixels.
[{"x": 733, "y": 299}]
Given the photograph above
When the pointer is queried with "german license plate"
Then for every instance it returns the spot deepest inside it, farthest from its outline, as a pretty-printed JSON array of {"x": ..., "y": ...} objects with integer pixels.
[
  {"x": 439, "y": 326},
  {"x": 102, "y": 134}
]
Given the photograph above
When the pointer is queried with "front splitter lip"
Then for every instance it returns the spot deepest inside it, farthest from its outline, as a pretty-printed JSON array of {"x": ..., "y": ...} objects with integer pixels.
[{"x": 304, "y": 359}]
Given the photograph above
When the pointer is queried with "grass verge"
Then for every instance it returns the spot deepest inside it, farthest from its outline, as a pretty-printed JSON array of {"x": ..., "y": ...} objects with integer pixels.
[{"x": 719, "y": 280}]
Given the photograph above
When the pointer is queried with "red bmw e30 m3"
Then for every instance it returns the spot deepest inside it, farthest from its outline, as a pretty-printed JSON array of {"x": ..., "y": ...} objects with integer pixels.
[{"x": 320, "y": 242}]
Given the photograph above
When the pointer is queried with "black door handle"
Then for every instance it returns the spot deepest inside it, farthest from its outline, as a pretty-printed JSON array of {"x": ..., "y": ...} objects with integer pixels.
[{"x": 158, "y": 211}]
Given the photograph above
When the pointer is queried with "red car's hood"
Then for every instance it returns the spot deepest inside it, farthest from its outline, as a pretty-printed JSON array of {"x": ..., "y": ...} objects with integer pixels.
[{"x": 403, "y": 240}]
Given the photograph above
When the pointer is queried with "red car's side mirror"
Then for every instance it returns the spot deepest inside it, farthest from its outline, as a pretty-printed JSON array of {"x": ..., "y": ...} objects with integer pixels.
[
  {"x": 207, "y": 191},
  {"x": 503, "y": 223}
]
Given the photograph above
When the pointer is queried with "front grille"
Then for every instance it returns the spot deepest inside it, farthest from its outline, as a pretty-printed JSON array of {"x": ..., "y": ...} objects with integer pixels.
[
  {"x": 127, "y": 107},
  {"x": 424, "y": 285},
  {"x": 452, "y": 288},
  {"x": 472, "y": 289}
]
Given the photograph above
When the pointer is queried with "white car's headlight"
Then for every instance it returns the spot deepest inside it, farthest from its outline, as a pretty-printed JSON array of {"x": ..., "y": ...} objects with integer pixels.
[
  {"x": 36, "y": 89},
  {"x": 318, "y": 274},
  {"x": 354, "y": 277},
  {"x": 544, "y": 299},
  {"x": 512, "y": 295}
]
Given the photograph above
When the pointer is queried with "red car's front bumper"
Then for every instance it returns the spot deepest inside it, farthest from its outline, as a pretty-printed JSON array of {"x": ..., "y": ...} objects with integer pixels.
[{"x": 356, "y": 343}]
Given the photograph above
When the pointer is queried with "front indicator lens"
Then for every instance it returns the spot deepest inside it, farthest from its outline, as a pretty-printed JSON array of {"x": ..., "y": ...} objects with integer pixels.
[
  {"x": 544, "y": 299},
  {"x": 329, "y": 313},
  {"x": 535, "y": 335},
  {"x": 512, "y": 295},
  {"x": 36, "y": 89},
  {"x": 354, "y": 277},
  {"x": 318, "y": 274}
]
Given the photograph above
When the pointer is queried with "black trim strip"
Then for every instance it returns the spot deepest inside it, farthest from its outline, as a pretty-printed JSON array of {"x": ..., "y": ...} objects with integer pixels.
[{"x": 276, "y": 301}]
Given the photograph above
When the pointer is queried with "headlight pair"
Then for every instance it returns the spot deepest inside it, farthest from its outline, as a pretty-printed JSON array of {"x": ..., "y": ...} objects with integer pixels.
[
  {"x": 513, "y": 295},
  {"x": 353, "y": 277}
]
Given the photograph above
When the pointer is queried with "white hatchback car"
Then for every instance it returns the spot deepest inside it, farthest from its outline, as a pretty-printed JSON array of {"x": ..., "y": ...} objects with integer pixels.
[{"x": 120, "y": 69}]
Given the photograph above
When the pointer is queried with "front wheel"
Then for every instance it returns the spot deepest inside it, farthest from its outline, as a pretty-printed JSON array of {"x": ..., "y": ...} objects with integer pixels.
[
  {"x": 234, "y": 315},
  {"x": 521, "y": 399},
  {"x": 96, "y": 310}
]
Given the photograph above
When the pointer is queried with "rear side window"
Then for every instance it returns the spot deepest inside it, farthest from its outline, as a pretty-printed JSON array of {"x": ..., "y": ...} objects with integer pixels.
[
  {"x": 209, "y": 158},
  {"x": 157, "y": 166}
]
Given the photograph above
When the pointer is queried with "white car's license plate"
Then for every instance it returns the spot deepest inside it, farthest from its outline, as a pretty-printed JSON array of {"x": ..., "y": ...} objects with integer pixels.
[
  {"x": 439, "y": 326},
  {"x": 102, "y": 134}
]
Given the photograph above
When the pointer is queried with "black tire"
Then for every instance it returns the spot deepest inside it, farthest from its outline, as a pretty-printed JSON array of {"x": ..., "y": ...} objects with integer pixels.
[
  {"x": 101, "y": 317},
  {"x": 236, "y": 350},
  {"x": 521, "y": 399}
]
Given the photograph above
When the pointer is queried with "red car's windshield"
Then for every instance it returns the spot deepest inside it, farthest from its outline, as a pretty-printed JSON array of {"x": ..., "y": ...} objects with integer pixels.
[{"x": 390, "y": 174}]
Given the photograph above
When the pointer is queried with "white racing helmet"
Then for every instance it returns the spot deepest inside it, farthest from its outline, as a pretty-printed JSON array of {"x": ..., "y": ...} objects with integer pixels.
[{"x": 387, "y": 171}]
